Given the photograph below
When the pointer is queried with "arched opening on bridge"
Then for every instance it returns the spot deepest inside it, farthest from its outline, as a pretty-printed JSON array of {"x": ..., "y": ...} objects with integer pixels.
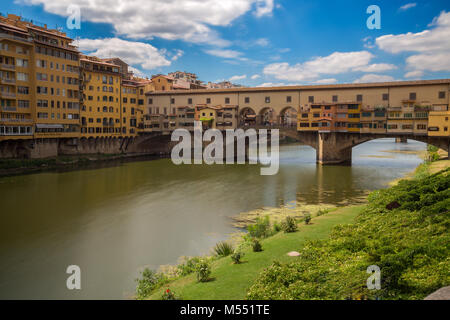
[
  {"x": 267, "y": 117},
  {"x": 288, "y": 117},
  {"x": 247, "y": 117}
]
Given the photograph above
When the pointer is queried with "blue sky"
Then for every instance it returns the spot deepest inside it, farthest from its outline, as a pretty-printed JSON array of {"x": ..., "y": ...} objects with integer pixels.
[{"x": 260, "y": 42}]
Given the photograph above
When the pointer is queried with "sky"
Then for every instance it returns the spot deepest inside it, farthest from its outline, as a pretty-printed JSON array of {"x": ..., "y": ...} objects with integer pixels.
[{"x": 259, "y": 42}]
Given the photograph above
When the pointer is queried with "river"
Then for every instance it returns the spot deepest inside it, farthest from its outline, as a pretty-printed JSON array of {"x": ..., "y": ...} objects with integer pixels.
[{"x": 113, "y": 221}]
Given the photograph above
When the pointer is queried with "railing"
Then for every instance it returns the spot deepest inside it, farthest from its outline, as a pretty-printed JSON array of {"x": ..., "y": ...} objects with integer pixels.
[
  {"x": 9, "y": 108},
  {"x": 8, "y": 66},
  {"x": 9, "y": 36},
  {"x": 7, "y": 95},
  {"x": 8, "y": 81},
  {"x": 15, "y": 120}
]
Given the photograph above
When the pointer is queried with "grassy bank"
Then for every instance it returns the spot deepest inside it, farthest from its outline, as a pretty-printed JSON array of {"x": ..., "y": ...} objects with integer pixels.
[
  {"x": 403, "y": 230},
  {"x": 231, "y": 281}
]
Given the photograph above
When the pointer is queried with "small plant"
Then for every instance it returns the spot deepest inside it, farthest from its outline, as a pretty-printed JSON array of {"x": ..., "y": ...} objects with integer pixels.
[
  {"x": 289, "y": 225},
  {"x": 256, "y": 245},
  {"x": 203, "y": 269},
  {"x": 169, "y": 295},
  {"x": 260, "y": 229},
  {"x": 223, "y": 249},
  {"x": 276, "y": 227},
  {"x": 307, "y": 218},
  {"x": 188, "y": 266},
  {"x": 321, "y": 212},
  {"x": 150, "y": 281},
  {"x": 236, "y": 257}
]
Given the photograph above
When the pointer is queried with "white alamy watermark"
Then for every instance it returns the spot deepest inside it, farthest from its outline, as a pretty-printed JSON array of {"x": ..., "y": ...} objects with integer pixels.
[
  {"x": 216, "y": 153},
  {"x": 73, "y": 282},
  {"x": 374, "y": 20},
  {"x": 374, "y": 281},
  {"x": 74, "y": 17}
]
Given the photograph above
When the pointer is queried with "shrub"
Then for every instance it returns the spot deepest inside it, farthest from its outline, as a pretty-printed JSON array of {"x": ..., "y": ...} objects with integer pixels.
[
  {"x": 276, "y": 227},
  {"x": 321, "y": 212},
  {"x": 169, "y": 295},
  {"x": 150, "y": 281},
  {"x": 203, "y": 269},
  {"x": 223, "y": 249},
  {"x": 260, "y": 229},
  {"x": 289, "y": 225},
  {"x": 188, "y": 266},
  {"x": 256, "y": 245},
  {"x": 409, "y": 243},
  {"x": 236, "y": 257},
  {"x": 307, "y": 218}
]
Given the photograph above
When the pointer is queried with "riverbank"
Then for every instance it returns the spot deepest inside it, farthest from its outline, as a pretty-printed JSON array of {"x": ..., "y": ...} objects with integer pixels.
[
  {"x": 13, "y": 167},
  {"x": 233, "y": 281}
]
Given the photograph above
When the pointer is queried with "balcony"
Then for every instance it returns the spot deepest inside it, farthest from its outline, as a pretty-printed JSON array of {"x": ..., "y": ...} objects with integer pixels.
[
  {"x": 9, "y": 109},
  {"x": 7, "y": 81},
  {"x": 7, "y": 66},
  {"x": 8, "y": 95},
  {"x": 11, "y": 37}
]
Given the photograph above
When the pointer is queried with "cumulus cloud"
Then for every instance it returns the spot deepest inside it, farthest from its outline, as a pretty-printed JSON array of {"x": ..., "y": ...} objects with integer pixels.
[
  {"x": 336, "y": 63},
  {"x": 326, "y": 81},
  {"x": 374, "y": 78},
  {"x": 271, "y": 84},
  {"x": 236, "y": 78},
  {"x": 407, "y": 6},
  {"x": 188, "y": 20},
  {"x": 227, "y": 54},
  {"x": 376, "y": 67},
  {"x": 430, "y": 48},
  {"x": 255, "y": 76},
  {"x": 143, "y": 54},
  {"x": 414, "y": 74}
]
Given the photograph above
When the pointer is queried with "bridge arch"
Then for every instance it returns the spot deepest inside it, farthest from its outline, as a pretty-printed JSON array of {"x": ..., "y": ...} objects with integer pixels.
[
  {"x": 288, "y": 117},
  {"x": 247, "y": 116},
  {"x": 267, "y": 116}
]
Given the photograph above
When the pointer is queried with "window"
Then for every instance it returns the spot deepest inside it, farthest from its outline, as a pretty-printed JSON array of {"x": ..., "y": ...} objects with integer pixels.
[
  {"x": 359, "y": 97},
  {"x": 172, "y": 101},
  {"x": 442, "y": 95},
  {"x": 421, "y": 127},
  {"x": 288, "y": 99},
  {"x": 150, "y": 101},
  {"x": 412, "y": 96},
  {"x": 385, "y": 96},
  {"x": 311, "y": 99},
  {"x": 189, "y": 100},
  {"x": 208, "y": 100},
  {"x": 267, "y": 100},
  {"x": 247, "y": 100},
  {"x": 335, "y": 98},
  {"x": 227, "y": 100},
  {"x": 22, "y": 76}
]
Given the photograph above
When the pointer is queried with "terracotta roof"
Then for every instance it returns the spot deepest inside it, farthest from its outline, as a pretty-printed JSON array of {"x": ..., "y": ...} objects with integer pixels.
[{"x": 307, "y": 87}]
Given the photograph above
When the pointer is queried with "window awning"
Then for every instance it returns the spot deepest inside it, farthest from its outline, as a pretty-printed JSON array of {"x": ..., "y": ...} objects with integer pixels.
[{"x": 49, "y": 126}]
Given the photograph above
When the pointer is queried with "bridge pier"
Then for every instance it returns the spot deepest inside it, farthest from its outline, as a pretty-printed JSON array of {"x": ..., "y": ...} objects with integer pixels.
[{"x": 330, "y": 151}]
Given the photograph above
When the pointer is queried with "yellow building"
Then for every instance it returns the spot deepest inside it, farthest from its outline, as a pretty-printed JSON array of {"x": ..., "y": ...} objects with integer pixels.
[
  {"x": 162, "y": 83},
  {"x": 101, "y": 114},
  {"x": 39, "y": 87},
  {"x": 438, "y": 123}
]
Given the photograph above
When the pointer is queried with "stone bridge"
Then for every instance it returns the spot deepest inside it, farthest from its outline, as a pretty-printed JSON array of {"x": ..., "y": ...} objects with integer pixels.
[{"x": 332, "y": 148}]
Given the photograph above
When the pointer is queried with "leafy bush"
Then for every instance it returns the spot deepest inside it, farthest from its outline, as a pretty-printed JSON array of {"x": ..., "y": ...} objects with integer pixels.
[
  {"x": 223, "y": 249},
  {"x": 150, "y": 281},
  {"x": 203, "y": 269},
  {"x": 321, "y": 212},
  {"x": 289, "y": 225},
  {"x": 260, "y": 229},
  {"x": 188, "y": 266},
  {"x": 276, "y": 227},
  {"x": 256, "y": 245},
  {"x": 307, "y": 218},
  {"x": 410, "y": 244},
  {"x": 169, "y": 295},
  {"x": 236, "y": 257}
]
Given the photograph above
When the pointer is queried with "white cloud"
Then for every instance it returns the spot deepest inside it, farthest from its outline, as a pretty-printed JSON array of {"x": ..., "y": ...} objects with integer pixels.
[
  {"x": 271, "y": 84},
  {"x": 263, "y": 42},
  {"x": 236, "y": 78},
  {"x": 407, "y": 6},
  {"x": 188, "y": 20},
  {"x": 142, "y": 54},
  {"x": 431, "y": 47},
  {"x": 374, "y": 78},
  {"x": 336, "y": 63},
  {"x": 178, "y": 54},
  {"x": 414, "y": 74},
  {"x": 227, "y": 54},
  {"x": 326, "y": 81},
  {"x": 376, "y": 67},
  {"x": 255, "y": 76}
]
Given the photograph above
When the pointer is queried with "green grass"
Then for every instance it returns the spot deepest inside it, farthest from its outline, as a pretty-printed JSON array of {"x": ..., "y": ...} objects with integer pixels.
[{"x": 231, "y": 281}]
